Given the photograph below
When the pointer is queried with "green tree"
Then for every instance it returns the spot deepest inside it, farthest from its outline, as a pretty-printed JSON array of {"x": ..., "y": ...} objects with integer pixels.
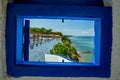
[
  {"x": 66, "y": 38},
  {"x": 59, "y": 49},
  {"x": 49, "y": 31},
  {"x": 58, "y": 33},
  {"x": 33, "y": 30},
  {"x": 73, "y": 53},
  {"x": 63, "y": 50}
]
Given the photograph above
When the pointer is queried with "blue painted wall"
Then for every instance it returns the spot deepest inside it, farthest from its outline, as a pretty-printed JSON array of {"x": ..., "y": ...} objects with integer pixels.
[{"x": 104, "y": 13}]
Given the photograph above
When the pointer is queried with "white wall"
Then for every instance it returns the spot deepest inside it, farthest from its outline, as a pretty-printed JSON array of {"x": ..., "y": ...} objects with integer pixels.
[{"x": 115, "y": 74}]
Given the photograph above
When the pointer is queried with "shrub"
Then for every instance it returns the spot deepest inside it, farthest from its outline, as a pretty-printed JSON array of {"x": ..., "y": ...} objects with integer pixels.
[
  {"x": 59, "y": 49},
  {"x": 63, "y": 50}
]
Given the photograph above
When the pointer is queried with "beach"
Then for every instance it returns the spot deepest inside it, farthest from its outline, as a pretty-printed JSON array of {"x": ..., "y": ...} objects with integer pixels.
[{"x": 81, "y": 59}]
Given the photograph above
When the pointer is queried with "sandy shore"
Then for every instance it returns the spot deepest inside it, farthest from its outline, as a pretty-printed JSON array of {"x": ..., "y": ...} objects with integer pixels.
[{"x": 80, "y": 57}]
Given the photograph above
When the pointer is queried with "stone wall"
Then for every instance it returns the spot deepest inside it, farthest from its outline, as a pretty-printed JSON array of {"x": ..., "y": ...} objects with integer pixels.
[
  {"x": 115, "y": 75},
  {"x": 115, "y": 69},
  {"x": 2, "y": 39}
]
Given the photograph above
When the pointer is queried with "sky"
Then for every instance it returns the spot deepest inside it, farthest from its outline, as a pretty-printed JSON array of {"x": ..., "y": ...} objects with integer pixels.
[{"x": 69, "y": 27}]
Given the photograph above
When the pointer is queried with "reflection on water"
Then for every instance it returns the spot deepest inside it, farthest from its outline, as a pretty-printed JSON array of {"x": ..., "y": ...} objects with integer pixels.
[{"x": 38, "y": 48}]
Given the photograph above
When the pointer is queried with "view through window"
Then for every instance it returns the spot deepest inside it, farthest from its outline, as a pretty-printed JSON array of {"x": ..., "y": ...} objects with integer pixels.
[{"x": 61, "y": 40}]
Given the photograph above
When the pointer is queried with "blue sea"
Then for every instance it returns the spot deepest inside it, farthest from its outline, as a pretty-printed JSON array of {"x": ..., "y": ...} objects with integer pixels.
[{"x": 84, "y": 44}]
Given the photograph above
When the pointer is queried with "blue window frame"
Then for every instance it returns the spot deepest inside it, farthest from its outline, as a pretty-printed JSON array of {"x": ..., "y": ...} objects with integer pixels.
[
  {"x": 19, "y": 44},
  {"x": 16, "y": 66}
]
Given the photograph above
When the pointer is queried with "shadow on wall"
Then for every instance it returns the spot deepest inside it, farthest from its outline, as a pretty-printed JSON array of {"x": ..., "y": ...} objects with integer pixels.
[{"x": 64, "y": 2}]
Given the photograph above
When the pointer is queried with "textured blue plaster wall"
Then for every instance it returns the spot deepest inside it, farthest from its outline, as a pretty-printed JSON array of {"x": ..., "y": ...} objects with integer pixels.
[{"x": 60, "y": 71}]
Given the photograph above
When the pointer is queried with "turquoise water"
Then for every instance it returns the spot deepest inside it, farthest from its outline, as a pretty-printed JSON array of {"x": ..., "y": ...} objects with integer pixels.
[{"x": 84, "y": 44}]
